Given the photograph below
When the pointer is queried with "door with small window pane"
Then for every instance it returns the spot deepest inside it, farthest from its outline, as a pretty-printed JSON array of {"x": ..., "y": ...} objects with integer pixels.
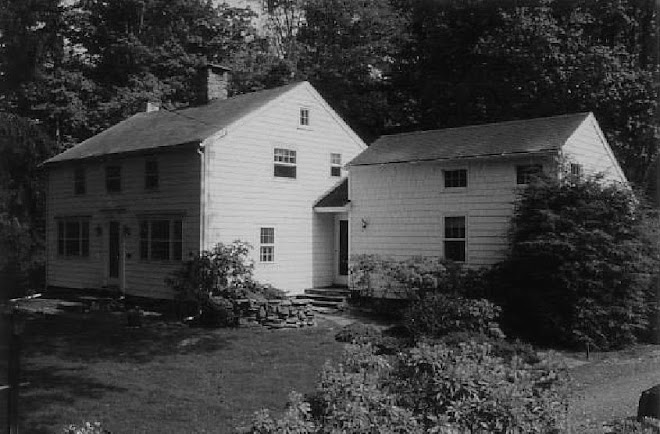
[{"x": 114, "y": 250}]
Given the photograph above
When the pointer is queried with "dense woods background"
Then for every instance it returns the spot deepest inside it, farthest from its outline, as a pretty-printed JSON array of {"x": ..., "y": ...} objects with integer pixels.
[{"x": 68, "y": 70}]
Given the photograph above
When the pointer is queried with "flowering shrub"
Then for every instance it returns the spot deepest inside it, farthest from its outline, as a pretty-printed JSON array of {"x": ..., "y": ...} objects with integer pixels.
[
  {"x": 438, "y": 314},
  {"x": 86, "y": 428},
  {"x": 430, "y": 388}
]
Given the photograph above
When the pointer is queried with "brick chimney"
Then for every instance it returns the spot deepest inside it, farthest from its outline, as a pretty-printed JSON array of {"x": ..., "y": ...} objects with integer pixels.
[{"x": 214, "y": 83}]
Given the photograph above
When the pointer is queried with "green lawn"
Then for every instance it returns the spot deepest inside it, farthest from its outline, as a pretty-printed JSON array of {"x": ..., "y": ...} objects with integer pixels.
[{"x": 163, "y": 377}]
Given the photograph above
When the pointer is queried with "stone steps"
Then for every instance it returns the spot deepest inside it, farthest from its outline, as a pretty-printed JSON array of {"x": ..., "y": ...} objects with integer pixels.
[{"x": 325, "y": 298}]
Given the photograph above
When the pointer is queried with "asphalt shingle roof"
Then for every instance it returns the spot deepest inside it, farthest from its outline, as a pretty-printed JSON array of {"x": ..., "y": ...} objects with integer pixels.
[
  {"x": 503, "y": 138},
  {"x": 337, "y": 197},
  {"x": 163, "y": 128}
]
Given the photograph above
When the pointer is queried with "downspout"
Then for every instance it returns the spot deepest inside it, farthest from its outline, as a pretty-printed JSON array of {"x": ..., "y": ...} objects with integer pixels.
[{"x": 202, "y": 196}]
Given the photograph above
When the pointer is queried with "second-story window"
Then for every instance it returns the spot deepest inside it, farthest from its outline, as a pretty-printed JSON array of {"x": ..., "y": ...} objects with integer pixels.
[
  {"x": 79, "y": 184},
  {"x": 335, "y": 164},
  {"x": 113, "y": 179},
  {"x": 151, "y": 178},
  {"x": 304, "y": 117},
  {"x": 285, "y": 163},
  {"x": 527, "y": 173},
  {"x": 455, "y": 178}
]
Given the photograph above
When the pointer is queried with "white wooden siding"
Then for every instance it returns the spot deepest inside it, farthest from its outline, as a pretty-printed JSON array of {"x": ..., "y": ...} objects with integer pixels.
[
  {"x": 588, "y": 147},
  {"x": 404, "y": 206},
  {"x": 178, "y": 194},
  {"x": 243, "y": 195}
]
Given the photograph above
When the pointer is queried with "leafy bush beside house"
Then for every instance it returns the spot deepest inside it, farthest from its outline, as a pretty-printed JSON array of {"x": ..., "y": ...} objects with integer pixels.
[{"x": 581, "y": 265}]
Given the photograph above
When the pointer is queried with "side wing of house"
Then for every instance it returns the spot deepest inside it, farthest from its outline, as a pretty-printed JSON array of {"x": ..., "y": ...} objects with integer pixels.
[
  {"x": 412, "y": 209},
  {"x": 263, "y": 176},
  {"x": 588, "y": 148},
  {"x": 123, "y": 223}
]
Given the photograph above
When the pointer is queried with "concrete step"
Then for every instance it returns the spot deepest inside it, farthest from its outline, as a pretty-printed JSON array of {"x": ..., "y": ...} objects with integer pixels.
[
  {"x": 323, "y": 297},
  {"x": 321, "y": 301},
  {"x": 338, "y": 292}
]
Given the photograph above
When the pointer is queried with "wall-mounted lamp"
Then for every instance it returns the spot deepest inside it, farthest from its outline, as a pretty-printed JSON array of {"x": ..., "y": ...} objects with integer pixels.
[
  {"x": 99, "y": 230},
  {"x": 127, "y": 231},
  {"x": 365, "y": 223}
]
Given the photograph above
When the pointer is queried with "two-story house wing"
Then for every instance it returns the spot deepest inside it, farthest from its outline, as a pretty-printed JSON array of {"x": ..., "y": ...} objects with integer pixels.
[
  {"x": 450, "y": 193},
  {"x": 127, "y": 206}
]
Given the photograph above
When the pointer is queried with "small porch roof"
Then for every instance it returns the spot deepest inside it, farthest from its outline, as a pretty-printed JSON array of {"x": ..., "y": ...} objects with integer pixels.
[{"x": 335, "y": 200}]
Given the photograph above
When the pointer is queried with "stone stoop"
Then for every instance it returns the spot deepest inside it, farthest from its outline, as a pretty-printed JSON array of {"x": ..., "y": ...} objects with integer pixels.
[{"x": 326, "y": 299}]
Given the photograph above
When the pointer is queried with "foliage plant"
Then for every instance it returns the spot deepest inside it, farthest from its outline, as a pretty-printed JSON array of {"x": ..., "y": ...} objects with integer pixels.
[
  {"x": 431, "y": 388},
  {"x": 216, "y": 277},
  {"x": 581, "y": 264},
  {"x": 85, "y": 428}
]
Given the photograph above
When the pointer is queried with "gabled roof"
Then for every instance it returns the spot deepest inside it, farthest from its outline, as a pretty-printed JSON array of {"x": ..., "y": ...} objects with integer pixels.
[
  {"x": 502, "y": 138},
  {"x": 335, "y": 198},
  {"x": 164, "y": 128}
]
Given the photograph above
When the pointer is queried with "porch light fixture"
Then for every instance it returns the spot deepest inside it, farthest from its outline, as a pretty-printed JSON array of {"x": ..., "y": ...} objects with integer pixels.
[{"x": 365, "y": 223}]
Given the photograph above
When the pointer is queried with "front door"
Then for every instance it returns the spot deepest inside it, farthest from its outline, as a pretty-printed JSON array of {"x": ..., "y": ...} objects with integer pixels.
[
  {"x": 114, "y": 244},
  {"x": 343, "y": 248}
]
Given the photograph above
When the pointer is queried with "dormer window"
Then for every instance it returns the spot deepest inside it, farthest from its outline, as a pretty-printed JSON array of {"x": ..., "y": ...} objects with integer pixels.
[
  {"x": 304, "y": 117},
  {"x": 285, "y": 163},
  {"x": 335, "y": 164},
  {"x": 79, "y": 181}
]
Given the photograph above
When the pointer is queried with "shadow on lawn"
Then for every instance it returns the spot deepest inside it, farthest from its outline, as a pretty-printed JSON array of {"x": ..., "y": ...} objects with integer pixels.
[
  {"x": 105, "y": 337},
  {"x": 48, "y": 385}
]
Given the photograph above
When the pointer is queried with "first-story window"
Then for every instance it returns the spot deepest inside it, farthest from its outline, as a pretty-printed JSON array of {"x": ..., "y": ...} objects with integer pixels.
[
  {"x": 267, "y": 245},
  {"x": 527, "y": 173},
  {"x": 455, "y": 238},
  {"x": 285, "y": 163},
  {"x": 73, "y": 237},
  {"x": 161, "y": 239}
]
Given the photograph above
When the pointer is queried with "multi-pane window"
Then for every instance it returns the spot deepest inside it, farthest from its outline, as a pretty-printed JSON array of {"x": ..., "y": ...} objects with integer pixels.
[
  {"x": 455, "y": 178},
  {"x": 455, "y": 238},
  {"x": 285, "y": 163},
  {"x": 73, "y": 237},
  {"x": 151, "y": 178},
  {"x": 113, "y": 179},
  {"x": 527, "y": 173},
  {"x": 304, "y": 117},
  {"x": 335, "y": 164},
  {"x": 161, "y": 239},
  {"x": 267, "y": 245},
  {"x": 576, "y": 170},
  {"x": 79, "y": 181}
]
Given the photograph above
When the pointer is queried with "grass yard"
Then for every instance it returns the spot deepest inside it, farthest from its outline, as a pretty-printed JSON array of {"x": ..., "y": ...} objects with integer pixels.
[{"x": 163, "y": 377}]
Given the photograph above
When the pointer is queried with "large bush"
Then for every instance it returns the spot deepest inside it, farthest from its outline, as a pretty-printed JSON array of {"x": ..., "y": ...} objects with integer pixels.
[
  {"x": 212, "y": 279},
  {"x": 439, "y": 388},
  {"x": 580, "y": 266}
]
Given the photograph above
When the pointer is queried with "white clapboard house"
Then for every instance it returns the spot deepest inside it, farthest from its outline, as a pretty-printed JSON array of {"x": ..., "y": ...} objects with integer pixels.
[
  {"x": 125, "y": 207},
  {"x": 450, "y": 193}
]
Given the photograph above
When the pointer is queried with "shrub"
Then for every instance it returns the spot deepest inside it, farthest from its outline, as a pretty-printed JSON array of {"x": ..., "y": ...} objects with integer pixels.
[
  {"x": 430, "y": 388},
  {"x": 358, "y": 333},
  {"x": 436, "y": 315},
  {"x": 580, "y": 266},
  {"x": 85, "y": 428},
  {"x": 214, "y": 278}
]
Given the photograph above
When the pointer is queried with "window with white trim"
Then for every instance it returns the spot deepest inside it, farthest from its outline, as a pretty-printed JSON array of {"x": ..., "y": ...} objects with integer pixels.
[
  {"x": 113, "y": 179},
  {"x": 151, "y": 178},
  {"x": 79, "y": 181},
  {"x": 285, "y": 163},
  {"x": 455, "y": 178},
  {"x": 527, "y": 173},
  {"x": 73, "y": 237},
  {"x": 576, "y": 170},
  {"x": 335, "y": 164},
  {"x": 304, "y": 116},
  {"x": 267, "y": 245},
  {"x": 161, "y": 239},
  {"x": 455, "y": 239}
]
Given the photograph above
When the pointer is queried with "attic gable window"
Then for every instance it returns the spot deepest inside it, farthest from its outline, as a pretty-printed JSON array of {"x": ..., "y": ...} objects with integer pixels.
[
  {"x": 576, "y": 170},
  {"x": 79, "y": 184},
  {"x": 527, "y": 173},
  {"x": 304, "y": 117},
  {"x": 151, "y": 178},
  {"x": 113, "y": 179},
  {"x": 335, "y": 164},
  {"x": 267, "y": 245},
  {"x": 455, "y": 178},
  {"x": 285, "y": 163}
]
